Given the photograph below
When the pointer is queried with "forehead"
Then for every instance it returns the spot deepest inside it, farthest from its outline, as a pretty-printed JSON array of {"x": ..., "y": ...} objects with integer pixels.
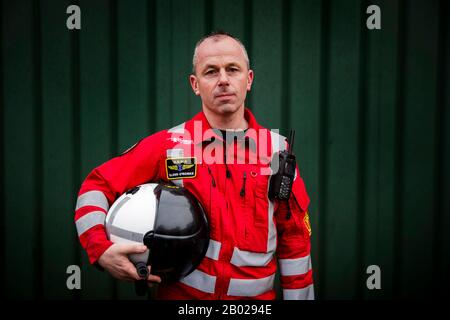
[{"x": 224, "y": 49}]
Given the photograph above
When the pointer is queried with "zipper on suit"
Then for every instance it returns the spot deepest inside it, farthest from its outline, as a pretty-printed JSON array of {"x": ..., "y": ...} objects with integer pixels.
[
  {"x": 243, "y": 185},
  {"x": 213, "y": 181},
  {"x": 228, "y": 172},
  {"x": 224, "y": 273}
]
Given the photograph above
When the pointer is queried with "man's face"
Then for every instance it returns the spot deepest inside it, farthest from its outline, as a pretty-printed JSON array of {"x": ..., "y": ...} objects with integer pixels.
[{"x": 222, "y": 77}]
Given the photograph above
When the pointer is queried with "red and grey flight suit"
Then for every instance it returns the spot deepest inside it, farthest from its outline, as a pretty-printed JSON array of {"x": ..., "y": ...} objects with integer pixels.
[{"x": 249, "y": 233}]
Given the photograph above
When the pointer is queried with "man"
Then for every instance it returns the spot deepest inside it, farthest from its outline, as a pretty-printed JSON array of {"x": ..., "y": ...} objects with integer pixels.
[{"x": 249, "y": 233}]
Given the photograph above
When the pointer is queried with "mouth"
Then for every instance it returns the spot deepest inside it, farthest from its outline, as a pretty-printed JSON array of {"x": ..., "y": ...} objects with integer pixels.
[{"x": 225, "y": 95}]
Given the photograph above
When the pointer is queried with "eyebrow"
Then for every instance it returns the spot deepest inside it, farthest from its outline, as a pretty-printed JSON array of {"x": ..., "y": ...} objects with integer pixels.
[{"x": 231, "y": 64}]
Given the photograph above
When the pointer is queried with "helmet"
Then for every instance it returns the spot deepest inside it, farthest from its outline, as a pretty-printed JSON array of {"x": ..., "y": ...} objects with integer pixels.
[{"x": 168, "y": 220}]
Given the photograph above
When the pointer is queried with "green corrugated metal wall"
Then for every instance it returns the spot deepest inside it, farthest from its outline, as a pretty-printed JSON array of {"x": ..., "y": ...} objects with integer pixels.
[{"x": 371, "y": 110}]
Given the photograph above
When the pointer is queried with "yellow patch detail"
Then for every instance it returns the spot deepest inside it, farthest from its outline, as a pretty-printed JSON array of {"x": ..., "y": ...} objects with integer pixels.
[
  {"x": 181, "y": 168},
  {"x": 306, "y": 222}
]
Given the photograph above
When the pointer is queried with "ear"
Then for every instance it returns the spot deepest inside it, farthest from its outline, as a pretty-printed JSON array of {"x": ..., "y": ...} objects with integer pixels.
[
  {"x": 194, "y": 84},
  {"x": 250, "y": 76}
]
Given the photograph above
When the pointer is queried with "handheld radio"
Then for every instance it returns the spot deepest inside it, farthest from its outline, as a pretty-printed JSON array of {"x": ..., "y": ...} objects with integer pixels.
[{"x": 281, "y": 182}]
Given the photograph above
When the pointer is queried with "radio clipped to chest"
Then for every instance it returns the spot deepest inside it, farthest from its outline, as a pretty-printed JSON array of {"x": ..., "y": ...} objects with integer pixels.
[{"x": 281, "y": 183}]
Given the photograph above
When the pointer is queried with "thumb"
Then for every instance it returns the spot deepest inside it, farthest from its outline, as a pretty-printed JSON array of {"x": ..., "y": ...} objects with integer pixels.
[{"x": 133, "y": 248}]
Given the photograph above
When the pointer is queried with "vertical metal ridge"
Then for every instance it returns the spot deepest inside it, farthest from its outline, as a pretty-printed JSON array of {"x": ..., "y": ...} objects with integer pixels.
[
  {"x": 323, "y": 153},
  {"x": 37, "y": 150},
  {"x": 438, "y": 288},
  {"x": 190, "y": 31},
  {"x": 2, "y": 162},
  {"x": 248, "y": 29},
  {"x": 208, "y": 16},
  {"x": 362, "y": 153},
  {"x": 151, "y": 44},
  {"x": 114, "y": 126},
  {"x": 286, "y": 66},
  {"x": 114, "y": 136},
  {"x": 76, "y": 129},
  {"x": 399, "y": 143},
  {"x": 171, "y": 106},
  {"x": 378, "y": 147}
]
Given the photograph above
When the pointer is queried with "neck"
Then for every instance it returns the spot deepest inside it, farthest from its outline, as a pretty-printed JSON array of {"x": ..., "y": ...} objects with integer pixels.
[{"x": 227, "y": 121}]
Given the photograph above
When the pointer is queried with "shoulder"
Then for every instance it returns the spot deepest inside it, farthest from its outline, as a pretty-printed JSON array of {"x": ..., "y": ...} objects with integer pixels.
[
  {"x": 164, "y": 139},
  {"x": 152, "y": 142},
  {"x": 156, "y": 138},
  {"x": 279, "y": 142},
  {"x": 273, "y": 133}
]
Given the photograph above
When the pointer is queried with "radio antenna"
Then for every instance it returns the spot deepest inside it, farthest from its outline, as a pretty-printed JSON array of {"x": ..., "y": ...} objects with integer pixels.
[{"x": 291, "y": 141}]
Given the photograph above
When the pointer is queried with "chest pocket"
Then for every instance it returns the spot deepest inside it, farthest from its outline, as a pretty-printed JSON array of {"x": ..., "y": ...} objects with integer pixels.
[{"x": 256, "y": 207}]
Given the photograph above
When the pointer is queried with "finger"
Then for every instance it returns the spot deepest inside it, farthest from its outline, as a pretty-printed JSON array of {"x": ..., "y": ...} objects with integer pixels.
[
  {"x": 133, "y": 273},
  {"x": 154, "y": 278},
  {"x": 133, "y": 248},
  {"x": 130, "y": 270},
  {"x": 123, "y": 276}
]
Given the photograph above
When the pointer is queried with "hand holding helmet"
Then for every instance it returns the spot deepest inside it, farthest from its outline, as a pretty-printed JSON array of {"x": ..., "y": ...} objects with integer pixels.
[
  {"x": 115, "y": 260},
  {"x": 158, "y": 225}
]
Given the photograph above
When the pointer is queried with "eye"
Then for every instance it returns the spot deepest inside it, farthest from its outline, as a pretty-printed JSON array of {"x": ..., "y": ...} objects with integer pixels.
[
  {"x": 210, "y": 72},
  {"x": 233, "y": 69}
]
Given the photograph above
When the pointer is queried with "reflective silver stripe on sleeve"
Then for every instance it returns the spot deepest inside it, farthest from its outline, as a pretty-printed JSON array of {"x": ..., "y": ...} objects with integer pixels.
[
  {"x": 292, "y": 267},
  {"x": 200, "y": 281},
  {"x": 177, "y": 129},
  {"x": 299, "y": 294},
  {"x": 174, "y": 153},
  {"x": 93, "y": 198},
  {"x": 242, "y": 258},
  {"x": 250, "y": 288},
  {"x": 213, "y": 249},
  {"x": 90, "y": 220}
]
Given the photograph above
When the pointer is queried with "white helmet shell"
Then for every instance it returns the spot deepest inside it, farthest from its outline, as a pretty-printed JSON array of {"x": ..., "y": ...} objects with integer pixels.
[
  {"x": 168, "y": 220},
  {"x": 131, "y": 216}
]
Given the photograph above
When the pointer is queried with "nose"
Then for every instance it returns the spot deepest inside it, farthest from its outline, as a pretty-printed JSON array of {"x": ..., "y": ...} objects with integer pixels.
[{"x": 223, "y": 78}]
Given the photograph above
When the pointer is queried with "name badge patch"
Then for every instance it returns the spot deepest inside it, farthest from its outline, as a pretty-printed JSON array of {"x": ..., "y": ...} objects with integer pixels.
[{"x": 179, "y": 168}]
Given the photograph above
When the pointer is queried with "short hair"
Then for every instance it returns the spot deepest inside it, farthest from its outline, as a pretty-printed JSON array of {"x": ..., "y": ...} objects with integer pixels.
[{"x": 216, "y": 36}]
